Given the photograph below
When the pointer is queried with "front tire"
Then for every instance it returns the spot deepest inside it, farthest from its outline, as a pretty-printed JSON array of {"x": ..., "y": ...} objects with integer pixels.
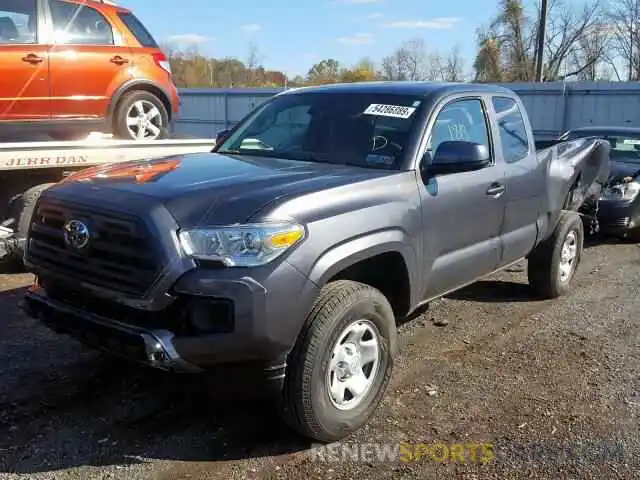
[
  {"x": 553, "y": 264},
  {"x": 141, "y": 115},
  {"x": 341, "y": 365}
]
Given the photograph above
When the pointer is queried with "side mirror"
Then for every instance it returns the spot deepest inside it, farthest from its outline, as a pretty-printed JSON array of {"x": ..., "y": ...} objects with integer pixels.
[
  {"x": 222, "y": 135},
  {"x": 459, "y": 156}
]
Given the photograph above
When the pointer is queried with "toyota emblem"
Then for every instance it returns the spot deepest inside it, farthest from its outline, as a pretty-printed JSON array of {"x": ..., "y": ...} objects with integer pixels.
[{"x": 76, "y": 234}]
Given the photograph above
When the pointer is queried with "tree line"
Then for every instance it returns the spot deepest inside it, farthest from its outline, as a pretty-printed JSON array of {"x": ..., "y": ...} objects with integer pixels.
[{"x": 596, "y": 40}]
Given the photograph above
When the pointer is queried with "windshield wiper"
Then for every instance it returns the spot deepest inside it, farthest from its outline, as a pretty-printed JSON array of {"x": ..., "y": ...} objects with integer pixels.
[{"x": 248, "y": 152}]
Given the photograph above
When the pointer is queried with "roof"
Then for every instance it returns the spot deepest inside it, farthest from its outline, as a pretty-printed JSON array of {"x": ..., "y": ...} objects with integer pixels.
[
  {"x": 610, "y": 129},
  {"x": 403, "y": 87}
]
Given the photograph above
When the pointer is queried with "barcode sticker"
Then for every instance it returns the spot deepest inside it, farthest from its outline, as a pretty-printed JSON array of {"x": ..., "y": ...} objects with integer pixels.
[{"x": 395, "y": 111}]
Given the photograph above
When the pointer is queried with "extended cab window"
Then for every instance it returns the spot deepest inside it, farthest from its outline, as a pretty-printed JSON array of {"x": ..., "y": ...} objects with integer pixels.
[
  {"x": 75, "y": 24},
  {"x": 460, "y": 120},
  {"x": 18, "y": 21},
  {"x": 513, "y": 132},
  {"x": 363, "y": 129}
]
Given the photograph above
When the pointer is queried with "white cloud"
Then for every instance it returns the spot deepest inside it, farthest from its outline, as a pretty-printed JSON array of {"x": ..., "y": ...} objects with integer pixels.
[
  {"x": 188, "y": 39},
  {"x": 309, "y": 56},
  {"x": 433, "y": 24},
  {"x": 251, "y": 28},
  {"x": 373, "y": 16},
  {"x": 358, "y": 39}
]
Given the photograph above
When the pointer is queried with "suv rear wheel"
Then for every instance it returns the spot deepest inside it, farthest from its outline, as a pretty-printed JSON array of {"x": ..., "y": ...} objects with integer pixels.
[{"x": 141, "y": 115}]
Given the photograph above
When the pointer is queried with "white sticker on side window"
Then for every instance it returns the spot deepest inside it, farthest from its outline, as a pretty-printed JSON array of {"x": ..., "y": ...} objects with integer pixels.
[{"x": 395, "y": 111}]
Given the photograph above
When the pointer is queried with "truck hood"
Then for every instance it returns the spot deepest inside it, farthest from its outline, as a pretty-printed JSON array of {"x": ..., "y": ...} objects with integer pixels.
[
  {"x": 210, "y": 188},
  {"x": 621, "y": 169}
]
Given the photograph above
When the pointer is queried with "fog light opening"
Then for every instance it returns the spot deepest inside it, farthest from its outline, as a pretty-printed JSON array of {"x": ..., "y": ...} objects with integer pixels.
[{"x": 211, "y": 316}]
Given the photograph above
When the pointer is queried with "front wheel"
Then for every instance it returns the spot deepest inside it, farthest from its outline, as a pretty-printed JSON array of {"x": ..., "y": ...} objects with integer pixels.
[
  {"x": 141, "y": 115},
  {"x": 553, "y": 264},
  {"x": 340, "y": 367}
]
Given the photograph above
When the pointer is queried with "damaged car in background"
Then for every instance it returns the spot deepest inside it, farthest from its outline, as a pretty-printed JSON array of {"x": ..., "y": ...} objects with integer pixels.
[{"x": 619, "y": 203}]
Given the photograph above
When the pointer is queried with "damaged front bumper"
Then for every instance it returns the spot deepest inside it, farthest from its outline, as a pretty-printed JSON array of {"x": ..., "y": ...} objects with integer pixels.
[{"x": 154, "y": 348}]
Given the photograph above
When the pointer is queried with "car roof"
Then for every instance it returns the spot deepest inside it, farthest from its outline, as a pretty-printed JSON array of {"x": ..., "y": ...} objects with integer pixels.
[
  {"x": 606, "y": 129},
  {"x": 417, "y": 88}
]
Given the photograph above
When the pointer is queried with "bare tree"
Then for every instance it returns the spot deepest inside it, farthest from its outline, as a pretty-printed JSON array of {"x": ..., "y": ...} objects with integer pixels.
[
  {"x": 453, "y": 69},
  {"x": 573, "y": 33},
  {"x": 588, "y": 61},
  {"x": 624, "y": 18},
  {"x": 253, "y": 64},
  {"x": 407, "y": 62},
  {"x": 412, "y": 61},
  {"x": 508, "y": 46}
]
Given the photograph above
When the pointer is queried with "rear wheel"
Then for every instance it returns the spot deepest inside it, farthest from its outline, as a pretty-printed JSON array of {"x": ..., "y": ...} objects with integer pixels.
[
  {"x": 341, "y": 365},
  {"x": 141, "y": 115},
  {"x": 553, "y": 263}
]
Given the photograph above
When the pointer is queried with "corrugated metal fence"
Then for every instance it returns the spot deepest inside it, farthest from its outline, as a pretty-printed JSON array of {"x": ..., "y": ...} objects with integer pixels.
[{"x": 552, "y": 107}]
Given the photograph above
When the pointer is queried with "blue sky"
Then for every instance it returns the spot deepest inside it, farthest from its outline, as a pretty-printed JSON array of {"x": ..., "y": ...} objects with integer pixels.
[{"x": 292, "y": 35}]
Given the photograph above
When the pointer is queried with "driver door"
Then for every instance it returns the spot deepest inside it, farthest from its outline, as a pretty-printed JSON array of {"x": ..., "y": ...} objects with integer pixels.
[{"x": 462, "y": 212}]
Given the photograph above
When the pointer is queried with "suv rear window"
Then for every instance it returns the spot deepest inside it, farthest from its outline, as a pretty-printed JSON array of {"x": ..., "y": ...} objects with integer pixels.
[{"x": 138, "y": 29}]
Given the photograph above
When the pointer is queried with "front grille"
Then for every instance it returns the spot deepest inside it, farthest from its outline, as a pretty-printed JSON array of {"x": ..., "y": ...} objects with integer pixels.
[
  {"x": 622, "y": 222},
  {"x": 121, "y": 255}
]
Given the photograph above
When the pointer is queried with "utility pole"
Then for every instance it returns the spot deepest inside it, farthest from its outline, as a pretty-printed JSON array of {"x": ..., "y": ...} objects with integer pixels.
[
  {"x": 632, "y": 40},
  {"x": 542, "y": 27}
]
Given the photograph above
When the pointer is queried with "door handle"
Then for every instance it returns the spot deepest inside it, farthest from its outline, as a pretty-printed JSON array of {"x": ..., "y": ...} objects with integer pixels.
[
  {"x": 33, "y": 58},
  {"x": 495, "y": 190},
  {"x": 118, "y": 60}
]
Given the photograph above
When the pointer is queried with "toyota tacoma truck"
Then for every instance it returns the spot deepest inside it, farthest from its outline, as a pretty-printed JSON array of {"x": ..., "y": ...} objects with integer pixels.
[{"x": 296, "y": 245}]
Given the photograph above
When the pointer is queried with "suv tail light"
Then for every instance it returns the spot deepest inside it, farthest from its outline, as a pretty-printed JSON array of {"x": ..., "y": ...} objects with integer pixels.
[{"x": 162, "y": 61}]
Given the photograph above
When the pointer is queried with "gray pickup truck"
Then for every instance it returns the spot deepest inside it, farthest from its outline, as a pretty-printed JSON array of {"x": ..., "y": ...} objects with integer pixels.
[{"x": 294, "y": 247}]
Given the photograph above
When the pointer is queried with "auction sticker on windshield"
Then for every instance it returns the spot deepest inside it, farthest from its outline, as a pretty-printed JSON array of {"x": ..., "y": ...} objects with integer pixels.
[{"x": 395, "y": 111}]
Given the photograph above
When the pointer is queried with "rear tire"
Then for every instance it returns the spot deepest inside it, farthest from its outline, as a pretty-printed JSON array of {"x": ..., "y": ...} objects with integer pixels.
[
  {"x": 140, "y": 115},
  {"x": 553, "y": 263},
  {"x": 360, "y": 367}
]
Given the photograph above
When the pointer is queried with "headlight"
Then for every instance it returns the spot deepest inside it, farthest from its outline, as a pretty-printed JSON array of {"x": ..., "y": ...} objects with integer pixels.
[
  {"x": 248, "y": 245},
  {"x": 622, "y": 191}
]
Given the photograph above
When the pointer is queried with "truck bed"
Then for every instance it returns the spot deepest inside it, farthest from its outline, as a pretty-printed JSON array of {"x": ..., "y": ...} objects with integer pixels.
[{"x": 578, "y": 170}]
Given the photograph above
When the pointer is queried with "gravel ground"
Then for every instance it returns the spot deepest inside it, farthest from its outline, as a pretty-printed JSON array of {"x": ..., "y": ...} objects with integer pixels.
[{"x": 552, "y": 386}]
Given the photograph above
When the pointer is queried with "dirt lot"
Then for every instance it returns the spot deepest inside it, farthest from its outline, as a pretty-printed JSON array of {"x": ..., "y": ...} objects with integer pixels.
[{"x": 553, "y": 386}]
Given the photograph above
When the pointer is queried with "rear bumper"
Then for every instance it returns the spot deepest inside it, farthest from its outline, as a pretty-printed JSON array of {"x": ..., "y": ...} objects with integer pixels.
[{"x": 151, "y": 347}]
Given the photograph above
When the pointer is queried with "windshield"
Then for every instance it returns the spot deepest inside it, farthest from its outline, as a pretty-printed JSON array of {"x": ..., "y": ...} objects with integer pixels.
[
  {"x": 367, "y": 130},
  {"x": 624, "y": 148}
]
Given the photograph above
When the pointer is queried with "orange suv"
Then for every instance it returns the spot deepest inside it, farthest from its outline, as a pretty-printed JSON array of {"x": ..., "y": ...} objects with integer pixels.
[{"x": 69, "y": 67}]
